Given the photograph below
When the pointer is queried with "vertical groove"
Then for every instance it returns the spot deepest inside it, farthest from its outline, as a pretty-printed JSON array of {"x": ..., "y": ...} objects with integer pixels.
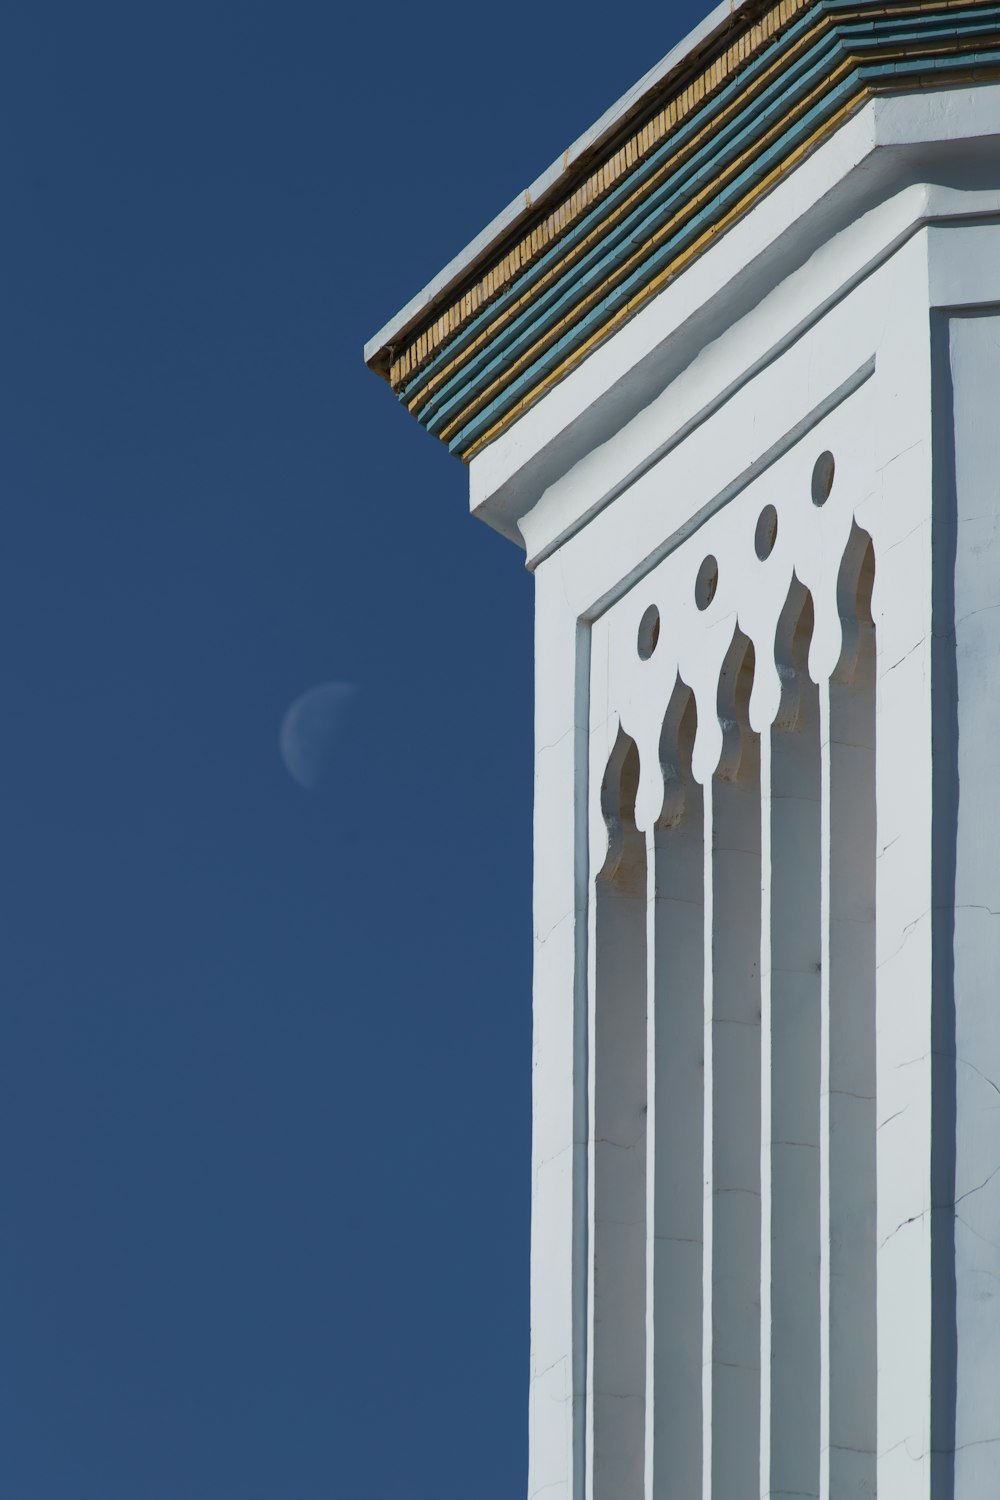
[
  {"x": 708, "y": 1156},
  {"x": 619, "y": 1155},
  {"x": 790, "y": 1023},
  {"x": 675, "y": 1169},
  {"x": 951, "y": 434},
  {"x": 656, "y": 963},
  {"x": 848, "y": 1407},
  {"x": 732, "y": 1243},
  {"x": 582, "y": 946}
]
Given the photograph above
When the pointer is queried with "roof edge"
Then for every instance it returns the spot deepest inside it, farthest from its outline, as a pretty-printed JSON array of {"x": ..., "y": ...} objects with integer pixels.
[{"x": 553, "y": 182}]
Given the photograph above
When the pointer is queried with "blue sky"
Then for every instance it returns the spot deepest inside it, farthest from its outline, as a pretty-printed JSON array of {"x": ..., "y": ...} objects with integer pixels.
[{"x": 264, "y": 1052}]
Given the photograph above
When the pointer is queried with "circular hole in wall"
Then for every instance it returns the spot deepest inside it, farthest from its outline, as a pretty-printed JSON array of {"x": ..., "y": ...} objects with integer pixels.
[
  {"x": 649, "y": 632},
  {"x": 767, "y": 532},
  {"x": 822, "y": 480},
  {"x": 706, "y": 583}
]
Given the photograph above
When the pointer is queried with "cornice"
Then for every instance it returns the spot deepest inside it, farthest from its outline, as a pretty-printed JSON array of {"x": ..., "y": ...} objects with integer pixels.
[{"x": 700, "y": 148}]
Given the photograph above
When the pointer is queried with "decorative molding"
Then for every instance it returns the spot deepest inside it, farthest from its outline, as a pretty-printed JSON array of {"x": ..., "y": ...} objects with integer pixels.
[{"x": 713, "y": 138}]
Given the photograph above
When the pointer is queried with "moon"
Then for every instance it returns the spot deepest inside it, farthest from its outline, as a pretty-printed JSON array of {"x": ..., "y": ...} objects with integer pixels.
[{"x": 312, "y": 731}]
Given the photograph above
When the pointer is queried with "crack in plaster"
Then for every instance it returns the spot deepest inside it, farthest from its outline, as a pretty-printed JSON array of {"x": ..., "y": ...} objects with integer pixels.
[
  {"x": 983, "y": 609},
  {"x": 907, "y": 930},
  {"x": 548, "y": 1161},
  {"x": 901, "y": 453},
  {"x": 978, "y": 1188},
  {"x": 552, "y": 744},
  {"x": 904, "y": 1442},
  {"x": 605, "y": 1140},
  {"x": 966, "y": 1064},
  {"x": 893, "y": 545},
  {"x": 913, "y": 1219},
  {"x": 541, "y": 1374},
  {"x": 977, "y": 906},
  {"x": 541, "y": 939},
  {"x": 990, "y": 1244},
  {"x": 905, "y": 654}
]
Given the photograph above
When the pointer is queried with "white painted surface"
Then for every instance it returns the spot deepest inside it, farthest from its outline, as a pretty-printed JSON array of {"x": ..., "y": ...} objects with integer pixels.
[
  {"x": 898, "y": 165},
  {"x": 850, "y": 1328},
  {"x": 973, "y": 355}
]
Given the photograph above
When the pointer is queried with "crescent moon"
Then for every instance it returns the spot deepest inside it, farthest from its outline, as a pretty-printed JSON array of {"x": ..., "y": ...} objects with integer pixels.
[{"x": 312, "y": 731}]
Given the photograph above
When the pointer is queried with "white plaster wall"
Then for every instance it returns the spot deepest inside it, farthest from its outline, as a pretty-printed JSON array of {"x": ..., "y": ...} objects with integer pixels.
[
  {"x": 968, "y": 880},
  {"x": 838, "y": 356}
]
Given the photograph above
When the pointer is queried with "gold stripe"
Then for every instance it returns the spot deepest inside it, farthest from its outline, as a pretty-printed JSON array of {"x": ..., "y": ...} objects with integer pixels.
[
  {"x": 600, "y": 231},
  {"x": 690, "y": 208},
  {"x": 552, "y": 335},
  {"x": 669, "y": 116},
  {"x": 974, "y": 73},
  {"x": 453, "y": 318},
  {"x": 656, "y": 285}
]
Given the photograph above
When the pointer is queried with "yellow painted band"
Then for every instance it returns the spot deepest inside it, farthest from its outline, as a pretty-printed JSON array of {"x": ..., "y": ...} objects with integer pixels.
[
  {"x": 646, "y": 138},
  {"x": 656, "y": 285},
  {"x": 600, "y": 181},
  {"x": 671, "y": 227},
  {"x": 559, "y": 269}
]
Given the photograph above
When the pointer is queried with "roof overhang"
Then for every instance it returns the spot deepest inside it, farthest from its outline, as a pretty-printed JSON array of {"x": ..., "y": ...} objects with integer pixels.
[{"x": 677, "y": 163}]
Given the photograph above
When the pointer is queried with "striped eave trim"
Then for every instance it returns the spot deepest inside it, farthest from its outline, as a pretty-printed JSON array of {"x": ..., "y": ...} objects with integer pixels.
[{"x": 692, "y": 165}]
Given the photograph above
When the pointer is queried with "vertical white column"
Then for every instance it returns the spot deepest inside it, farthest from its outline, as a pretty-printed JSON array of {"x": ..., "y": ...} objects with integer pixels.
[
  {"x": 848, "y": 1127},
  {"x": 619, "y": 1158},
  {"x": 967, "y": 901},
  {"x": 732, "y": 1128},
  {"x": 559, "y": 1134},
  {"x": 675, "y": 1166},
  {"x": 898, "y": 513},
  {"x": 790, "y": 1027},
  {"x": 655, "y": 965}
]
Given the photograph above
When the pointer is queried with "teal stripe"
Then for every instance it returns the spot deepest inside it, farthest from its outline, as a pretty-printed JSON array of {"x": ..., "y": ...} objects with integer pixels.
[
  {"x": 872, "y": 73},
  {"x": 901, "y": 29},
  {"x": 556, "y": 304},
  {"x": 599, "y": 315},
  {"x": 931, "y": 19},
  {"x": 706, "y": 165},
  {"x": 986, "y": 57},
  {"x": 873, "y": 40},
  {"x": 610, "y": 200}
]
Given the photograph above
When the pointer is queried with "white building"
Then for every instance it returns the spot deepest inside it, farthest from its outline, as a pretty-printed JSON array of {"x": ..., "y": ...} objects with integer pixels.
[{"x": 730, "y": 374}]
